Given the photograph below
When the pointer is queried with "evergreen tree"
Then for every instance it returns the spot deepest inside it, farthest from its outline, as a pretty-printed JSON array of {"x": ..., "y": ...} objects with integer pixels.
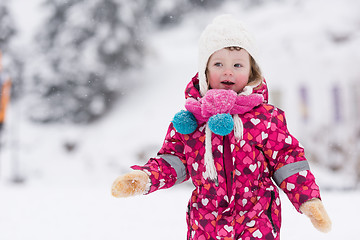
[{"x": 87, "y": 49}]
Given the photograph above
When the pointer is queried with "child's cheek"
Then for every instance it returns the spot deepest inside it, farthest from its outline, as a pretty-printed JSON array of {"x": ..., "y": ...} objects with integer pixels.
[{"x": 213, "y": 80}]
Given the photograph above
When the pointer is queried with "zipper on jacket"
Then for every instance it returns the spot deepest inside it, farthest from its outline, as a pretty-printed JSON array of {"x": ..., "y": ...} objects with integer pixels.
[
  {"x": 224, "y": 159},
  {"x": 226, "y": 148},
  {"x": 268, "y": 212}
]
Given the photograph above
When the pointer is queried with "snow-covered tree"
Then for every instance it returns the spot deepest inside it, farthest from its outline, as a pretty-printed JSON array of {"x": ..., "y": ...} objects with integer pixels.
[
  {"x": 7, "y": 28},
  {"x": 87, "y": 48}
]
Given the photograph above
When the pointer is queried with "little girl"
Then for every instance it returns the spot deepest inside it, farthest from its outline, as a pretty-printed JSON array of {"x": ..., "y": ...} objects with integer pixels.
[{"x": 233, "y": 145}]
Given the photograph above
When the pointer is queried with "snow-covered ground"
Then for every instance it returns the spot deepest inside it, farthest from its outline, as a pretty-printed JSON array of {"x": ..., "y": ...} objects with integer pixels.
[
  {"x": 88, "y": 211},
  {"x": 66, "y": 194}
]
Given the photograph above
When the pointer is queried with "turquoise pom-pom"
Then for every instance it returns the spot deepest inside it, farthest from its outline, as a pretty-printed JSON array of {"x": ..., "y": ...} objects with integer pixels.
[
  {"x": 184, "y": 122},
  {"x": 221, "y": 124}
]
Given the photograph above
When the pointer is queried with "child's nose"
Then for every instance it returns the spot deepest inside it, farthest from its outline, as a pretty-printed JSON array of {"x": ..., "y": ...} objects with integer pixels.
[{"x": 228, "y": 72}]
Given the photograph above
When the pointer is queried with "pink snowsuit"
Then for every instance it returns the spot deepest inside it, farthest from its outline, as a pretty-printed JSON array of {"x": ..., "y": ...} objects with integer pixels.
[{"x": 244, "y": 203}]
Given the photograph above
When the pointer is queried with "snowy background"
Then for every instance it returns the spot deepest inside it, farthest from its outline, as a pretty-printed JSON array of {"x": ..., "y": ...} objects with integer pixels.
[{"x": 55, "y": 178}]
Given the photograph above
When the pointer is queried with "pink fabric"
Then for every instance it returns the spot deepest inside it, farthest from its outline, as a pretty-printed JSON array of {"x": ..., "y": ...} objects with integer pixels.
[
  {"x": 217, "y": 101},
  {"x": 228, "y": 165},
  {"x": 247, "y": 206}
]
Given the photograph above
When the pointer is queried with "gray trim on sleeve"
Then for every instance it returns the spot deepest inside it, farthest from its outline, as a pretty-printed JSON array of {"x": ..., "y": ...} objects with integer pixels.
[
  {"x": 177, "y": 164},
  {"x": 288, "y": 170}
]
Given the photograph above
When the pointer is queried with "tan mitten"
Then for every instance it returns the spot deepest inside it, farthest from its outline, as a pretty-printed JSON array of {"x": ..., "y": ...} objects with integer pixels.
[
  {"x": 315, "y": 210},
  {"x": 133, "y": 183}
]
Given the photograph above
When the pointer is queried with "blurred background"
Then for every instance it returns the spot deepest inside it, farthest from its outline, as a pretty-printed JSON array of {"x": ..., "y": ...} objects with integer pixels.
[{"x": 88, "y": 88}]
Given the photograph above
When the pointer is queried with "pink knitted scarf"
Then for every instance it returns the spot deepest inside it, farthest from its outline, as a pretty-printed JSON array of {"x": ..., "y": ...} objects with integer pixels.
[{"x": 217, "y": 101}]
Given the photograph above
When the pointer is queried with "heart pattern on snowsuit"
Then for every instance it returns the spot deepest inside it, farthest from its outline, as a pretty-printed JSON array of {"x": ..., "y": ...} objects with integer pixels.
[{"x": 244, "y": 203}]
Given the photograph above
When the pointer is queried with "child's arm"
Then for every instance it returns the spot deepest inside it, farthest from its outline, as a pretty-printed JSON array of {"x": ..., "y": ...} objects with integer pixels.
[
  {"x": 290, "y": 170},
  {"x": 163, "y": 171},
  {"x": 315, "y": 210}
]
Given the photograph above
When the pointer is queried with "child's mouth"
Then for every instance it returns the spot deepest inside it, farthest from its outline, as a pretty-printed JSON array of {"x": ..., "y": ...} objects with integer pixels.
[{"x": 227, "y": 82}]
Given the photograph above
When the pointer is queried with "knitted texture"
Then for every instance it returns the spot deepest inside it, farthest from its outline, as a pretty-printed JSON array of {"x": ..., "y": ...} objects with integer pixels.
[{"x": 217, "y": 101}]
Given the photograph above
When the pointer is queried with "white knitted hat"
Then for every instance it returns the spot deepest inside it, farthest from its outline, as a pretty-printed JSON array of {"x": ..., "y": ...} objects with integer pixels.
[{"x": 224, "y": 31}]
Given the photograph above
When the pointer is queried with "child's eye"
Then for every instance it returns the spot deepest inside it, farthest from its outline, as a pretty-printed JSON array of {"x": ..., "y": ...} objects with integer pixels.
[
  {"x": 218, "y": 64},
  {"x": 237, "y": 65}
]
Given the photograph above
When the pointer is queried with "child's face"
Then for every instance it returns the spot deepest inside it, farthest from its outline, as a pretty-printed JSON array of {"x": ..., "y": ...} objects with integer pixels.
[{"x": 229, "y": 69}]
